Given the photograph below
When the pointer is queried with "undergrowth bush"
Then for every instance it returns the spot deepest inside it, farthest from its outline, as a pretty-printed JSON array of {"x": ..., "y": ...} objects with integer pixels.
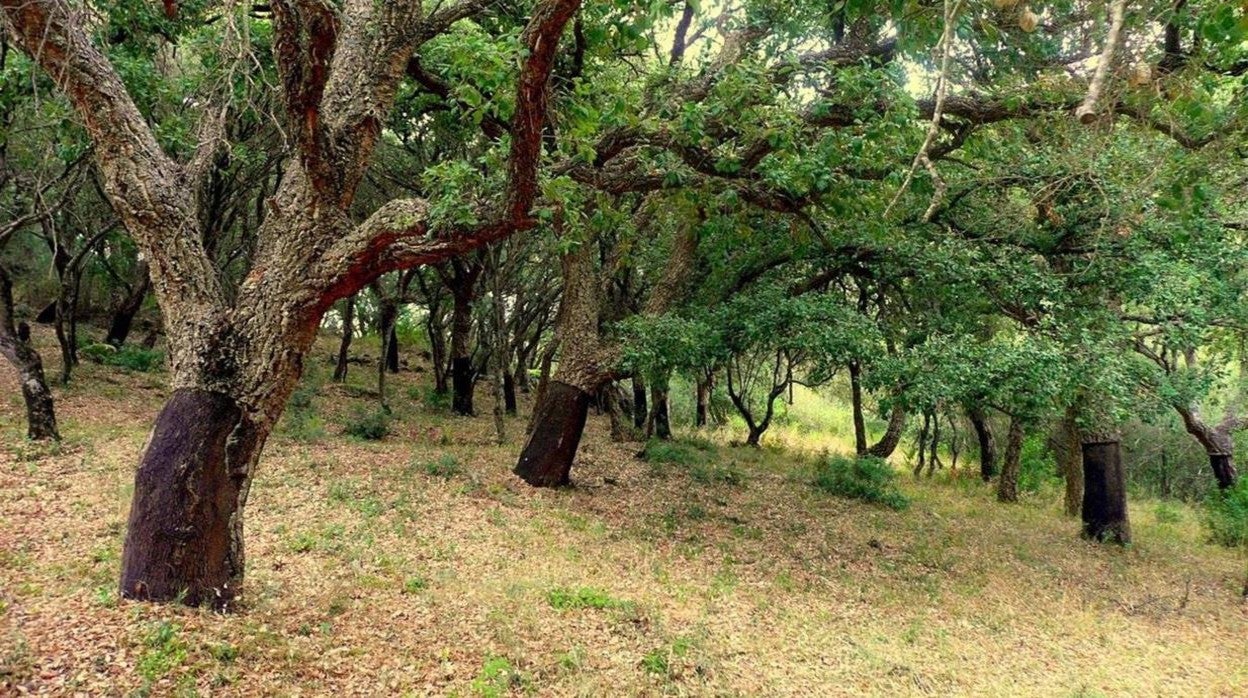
[
  {"x": 301, "y": 421},
  {"x": 869, "y": 479},
  {"x": 129, "y": 357},
  {"x": 1227, "y": 515},
  {"x": 369, "y": 425}
]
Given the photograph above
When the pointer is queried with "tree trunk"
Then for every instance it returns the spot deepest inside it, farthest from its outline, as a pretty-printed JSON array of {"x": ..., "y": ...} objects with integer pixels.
[
  {"x": 509, "y": 393},
  {"x": 860, "y": 424},
  {"x": 15, "y": 346},
  {"x": 703, "y": 401},
  {"x": 385, "y": 330},
  {"x": 987, "y": 444},
  {"x": 1007, "y": 486},
  {"x": 1070, "y": 462},
  {"x": 344, "y": 346},
  {"x": 1104, "y": 491},
  {"x": 461, "y": 356},
  {"x": 1223, "y": 465},
  {"x": 560, "y": 420},
  {"x": 524, "y": 382},
  {"x": 660, "y": 422},
  {"x": 641, "y": 415},
  {"x": 392, "y": 347},
  {"x": 563, "y": 401},
  {"x": 184, "y": 537},
  {"x": 892, "y": 435},
  {"x": 129, "y": 307}
]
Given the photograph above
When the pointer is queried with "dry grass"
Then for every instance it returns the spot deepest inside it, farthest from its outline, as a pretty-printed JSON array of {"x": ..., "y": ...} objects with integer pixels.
[{"x": 371, "y": 573}]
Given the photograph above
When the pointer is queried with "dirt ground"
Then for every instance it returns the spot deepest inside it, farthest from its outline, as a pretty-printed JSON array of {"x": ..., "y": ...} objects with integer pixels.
[{"x": 418, "y": 565}]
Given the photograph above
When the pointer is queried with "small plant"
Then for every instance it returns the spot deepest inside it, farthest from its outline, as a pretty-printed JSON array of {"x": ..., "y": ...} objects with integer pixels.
[
  {"x": 162, "y": 652},
  {"x": 369, "y": 425},
  {"x": 658, "y": 661},
  {"x": 415, "y": 585},
  {"x": 446, "y": 466},
  {"x": 1226, "y": 515},
  {"x": 496, "y": 678},
  {"x": 565, "y": 599},
  {"x": 869, "y": 479},
  {"x": 301, "y": 422},
  {"x": 435, "y": 401}
]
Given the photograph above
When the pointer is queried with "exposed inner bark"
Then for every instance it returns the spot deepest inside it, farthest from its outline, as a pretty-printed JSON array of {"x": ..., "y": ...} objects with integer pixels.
[
  {"x": 1223, "y": 465},
  {"x": 640, "y": 410},
  {"x": 560, "y": 419},
  {"x": 1105, "y": 493},
  {"x": 660, "y": 421},
  {"x": 509, "y": 393},
  {"x": 462, "y": 385},
  {"x": 184, "y": 538}
]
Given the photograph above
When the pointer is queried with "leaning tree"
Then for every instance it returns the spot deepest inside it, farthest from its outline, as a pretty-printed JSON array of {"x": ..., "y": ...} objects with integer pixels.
[{"x": 234, "y": 359}]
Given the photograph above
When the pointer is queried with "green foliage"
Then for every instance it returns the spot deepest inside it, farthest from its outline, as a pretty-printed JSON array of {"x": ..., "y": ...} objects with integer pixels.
[
  {"x": 677, "y": 451},
  {"x": 497, "y": 678},
  {"x": 413, "y": 585},
  {"x": 369, "y": 425},
  {"x": 1226, "y": 515},
  {"x": 446, "y": 466},
  {"x": 565, "y": 599},
  {"x": 162, "y": 652},
  {"x": 130, "y": 357},
  {"x": 1036, "y": 465},
  {"x": 301, "y": 421},
  {"x": 869, "y": 479}
]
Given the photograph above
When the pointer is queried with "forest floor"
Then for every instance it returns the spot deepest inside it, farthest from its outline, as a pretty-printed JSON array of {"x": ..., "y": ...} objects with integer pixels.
[{"x": 418, "y": 565}]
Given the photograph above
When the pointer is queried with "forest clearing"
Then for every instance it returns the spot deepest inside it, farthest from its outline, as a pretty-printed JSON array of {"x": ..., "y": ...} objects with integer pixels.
[
  {"x": 624, "y": 347},
  {"x": 382, "y": 571}
]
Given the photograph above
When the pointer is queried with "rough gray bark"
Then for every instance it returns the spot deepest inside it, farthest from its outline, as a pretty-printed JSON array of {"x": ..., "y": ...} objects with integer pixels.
[
  {"x": 1007, "y": 485},
  {"x": 15, "y": 347}
]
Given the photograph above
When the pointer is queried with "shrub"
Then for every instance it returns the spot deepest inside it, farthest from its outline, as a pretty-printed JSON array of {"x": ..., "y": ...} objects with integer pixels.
[
  {"x": 301, "y": 421},
  {"x": 129, "y": 357},
  {"x": 869, "y": 479},
  {"x": 370, "y": 425},
  {"x": 1227, "y": 515},
  {"x": 446, "y": 466}
]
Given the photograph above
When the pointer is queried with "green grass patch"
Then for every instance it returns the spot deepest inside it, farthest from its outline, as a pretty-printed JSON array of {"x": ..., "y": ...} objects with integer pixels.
[{"x": 566, "y": 599}]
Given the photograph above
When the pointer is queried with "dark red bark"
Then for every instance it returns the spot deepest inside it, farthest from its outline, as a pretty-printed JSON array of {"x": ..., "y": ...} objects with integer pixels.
[
  {"x": 639, "y": 403},
  {"x": 559, "y": 422},
  {"x": 184, "y": 538},
  {"x": 987, "y": 444},
  {"x": 1223, "y": 465},
  {"x": 509, "y": 393},
  {"x": 1105, "y": 493},
  {"x": 461, "y": 385},
  {"x": 128, "y": 308}
]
